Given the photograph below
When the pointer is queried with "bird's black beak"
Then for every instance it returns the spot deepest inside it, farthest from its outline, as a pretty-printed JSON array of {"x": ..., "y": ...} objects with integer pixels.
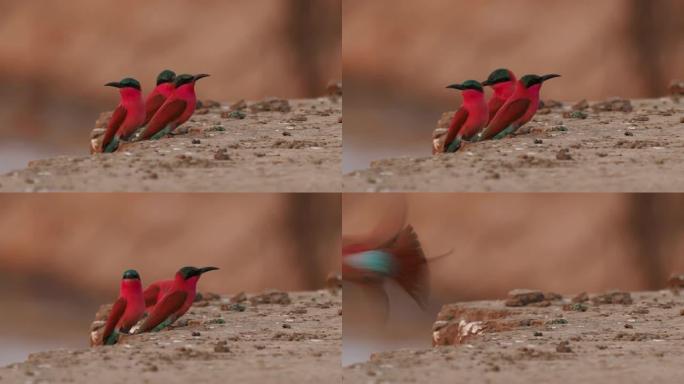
[
  {"x": 114, "y": 84},
  {"x": 200, "y": 76},
  {"x": 206, "y": 269},
  {"x": 456, "y": 86},
  {"x": 548, "y": 77}
]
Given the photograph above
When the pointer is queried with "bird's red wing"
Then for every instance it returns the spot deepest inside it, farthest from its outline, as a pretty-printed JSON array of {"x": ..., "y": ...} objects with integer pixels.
[
  {"x": 115, "y": 314},
  {"x": 167, "y": 306},
  {"x": 151, "y": 294},
  {"x": 456, "y": 124},
  {"x": 506, "y": 115},
  {"x": 413, "y": 271},
  {"x": 115, "y": 122},
  {"x": 167, "y": 113},
  {"x": 494, "y": 105},
  {"x": 152, "y": 106}
]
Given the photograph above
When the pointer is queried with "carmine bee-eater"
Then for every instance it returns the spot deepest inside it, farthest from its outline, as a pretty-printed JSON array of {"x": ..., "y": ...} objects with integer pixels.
[
  {"x": 128, "y": 116},
  {"x": 470, "y": 119},
  {"x": 171, "y": 298},
  {"x": 160, "y": 93},
  {"x": 127, "y": 310},
  {"x": 503, "y": 82},
  {"x": 400, "y": 259},
  {"x": 518, "y": 110},
  {"x": 176, "y": 110}
]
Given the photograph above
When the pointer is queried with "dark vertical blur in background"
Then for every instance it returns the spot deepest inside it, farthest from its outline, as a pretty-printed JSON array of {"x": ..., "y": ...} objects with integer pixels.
[
  {"x": 61, "y": 256},
  {"x": 55, "y": 57},
  {"x": 399, "y": 55},
  {"x": 562, "y": 243}
]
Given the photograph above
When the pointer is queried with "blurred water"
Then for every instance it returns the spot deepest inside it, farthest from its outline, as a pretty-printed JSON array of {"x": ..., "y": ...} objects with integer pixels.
[
  {"x": 16, "y": 155},
  {"x": 15, "y": 350}
]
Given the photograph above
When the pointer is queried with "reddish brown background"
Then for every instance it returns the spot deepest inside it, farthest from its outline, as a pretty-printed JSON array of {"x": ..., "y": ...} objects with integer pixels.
[
  {"x": 400, "y": 54},
  {"x": 55, "y": 57},
  {"x": 61, "y": 256}
]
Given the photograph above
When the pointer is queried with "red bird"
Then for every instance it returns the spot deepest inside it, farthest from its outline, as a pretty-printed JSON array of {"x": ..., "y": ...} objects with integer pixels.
[
  {"x": 170, "y": 299},
  {"x": 128, "y": 116},
  {"x": 160, "y": 93},
  {"x": 400, "y": 259},
  {"x": 518, "y": 110},
  {"x": 175, "y": 111},
  {"x": 128, "y": 309},
  {"x": 503, "y": 82},
  {"x": 470, "y": 118}
]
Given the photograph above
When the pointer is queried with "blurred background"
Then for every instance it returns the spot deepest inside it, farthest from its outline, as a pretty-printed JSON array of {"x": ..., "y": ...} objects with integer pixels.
[
  {"x": 399, "y": 55},
  {"x": 55, "y": 57},
  {"x": 62, "y": 256},
  {"x": 565, "y": 243}
]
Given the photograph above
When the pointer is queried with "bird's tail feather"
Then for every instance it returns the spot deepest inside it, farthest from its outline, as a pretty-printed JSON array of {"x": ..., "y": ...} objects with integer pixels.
[{"x": 412, "y": 273}]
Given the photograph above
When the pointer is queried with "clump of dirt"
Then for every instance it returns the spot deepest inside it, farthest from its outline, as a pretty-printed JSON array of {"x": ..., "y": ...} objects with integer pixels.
[
  {"x": 221, "y": 148},
  {"x": 544, "y": 344},
  {"x": 676, "y": 283},
  {"x": 615, "y": 145},
  {"x": 210, "y": 345}
]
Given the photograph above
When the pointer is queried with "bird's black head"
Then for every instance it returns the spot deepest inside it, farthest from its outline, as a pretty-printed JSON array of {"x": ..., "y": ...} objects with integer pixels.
[
  {"x": 500, "y": 75},
  {"x": 530, "y": 80},
  {"x": 128, "y": 82},
  {"x": 188, "y": 272},
  {"x": 131, "y": 274},
  {"x": 468, "y": 84},
  {"x": 187, "y": 79},
  {"x": 166, "y": 76}
]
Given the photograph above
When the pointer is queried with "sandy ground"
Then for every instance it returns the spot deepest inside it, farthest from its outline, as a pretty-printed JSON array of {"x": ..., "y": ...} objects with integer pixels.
[
  {"x": 642, "y": 342},
  {"x": 641, "y": 150},
  {"x": 295, "y": 149},
  {"x": 296, "y": 342}
]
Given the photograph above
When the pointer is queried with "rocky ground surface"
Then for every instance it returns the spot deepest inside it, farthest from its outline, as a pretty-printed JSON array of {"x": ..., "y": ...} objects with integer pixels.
[
  {"x": 536, "y": 337},
  {"x": 274, "y": 337},
  {"x": 615, "y": 145},
  {"x": 271, "y": 145}
]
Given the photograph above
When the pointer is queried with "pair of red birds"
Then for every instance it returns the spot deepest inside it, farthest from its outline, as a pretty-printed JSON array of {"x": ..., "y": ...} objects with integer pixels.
[
  {"x": 170, "y": 104},
  {"x": 164, "y": 302},
  {"x": 512, "y": 105}
]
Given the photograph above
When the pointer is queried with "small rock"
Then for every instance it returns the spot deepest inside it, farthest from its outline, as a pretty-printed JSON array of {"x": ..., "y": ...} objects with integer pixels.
[
  {"x": 271, "y": 105},
  {"x": 613, "y": 297},
  {"x": 575, "y": 115},
  {"x": 271, "y": 297},
  {"x": 577, "y": 307},
  {"x": 286, "y": 133},
  {"x": 538, "y": 334},
  {"x": 563, "y": 154},
  {"x": 222, "y": 154},
  {"x": 287, "y": 326},
  {"x": 613, "y": 105},
  {"x": 238, "y": 298},
  {"x": 195, "y": 333},
  {"x": 628, "y": 133},
  {"x": 538, "y": 141},
  {"x": 581, "y": 105},
  {"x": 221, "y": 347},
  {"x": 522, "y": 297},
  {"x": 564, "y": 347},
  {"x": 196, "y": 141},
  {"x": 629, "y": 326},
  {"x": 581, "y": 298}
]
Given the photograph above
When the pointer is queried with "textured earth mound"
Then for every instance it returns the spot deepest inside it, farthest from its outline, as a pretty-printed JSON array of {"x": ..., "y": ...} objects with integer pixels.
[
  {"x": 270, "y": 145},
  {"x": 613, "y": 145},
  {"x": 537, "y": 337},
  {"x": 274, "y": 337}
]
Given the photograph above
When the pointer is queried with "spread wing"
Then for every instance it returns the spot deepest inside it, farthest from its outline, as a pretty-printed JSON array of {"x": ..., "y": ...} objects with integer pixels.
[
  {"x": 151, "y": 294},
  {"x": 165, "y": 308},
  {"x": 152, "y": 105},
  {"x": 115, "y": 314},
  {"x": 509, "y": 113},
  {"x": 456, "y": 124},
  {"x": 115, "y": 122},
  {"x": 413, "y": 271},
  {"x": 168, "y": 112}
]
